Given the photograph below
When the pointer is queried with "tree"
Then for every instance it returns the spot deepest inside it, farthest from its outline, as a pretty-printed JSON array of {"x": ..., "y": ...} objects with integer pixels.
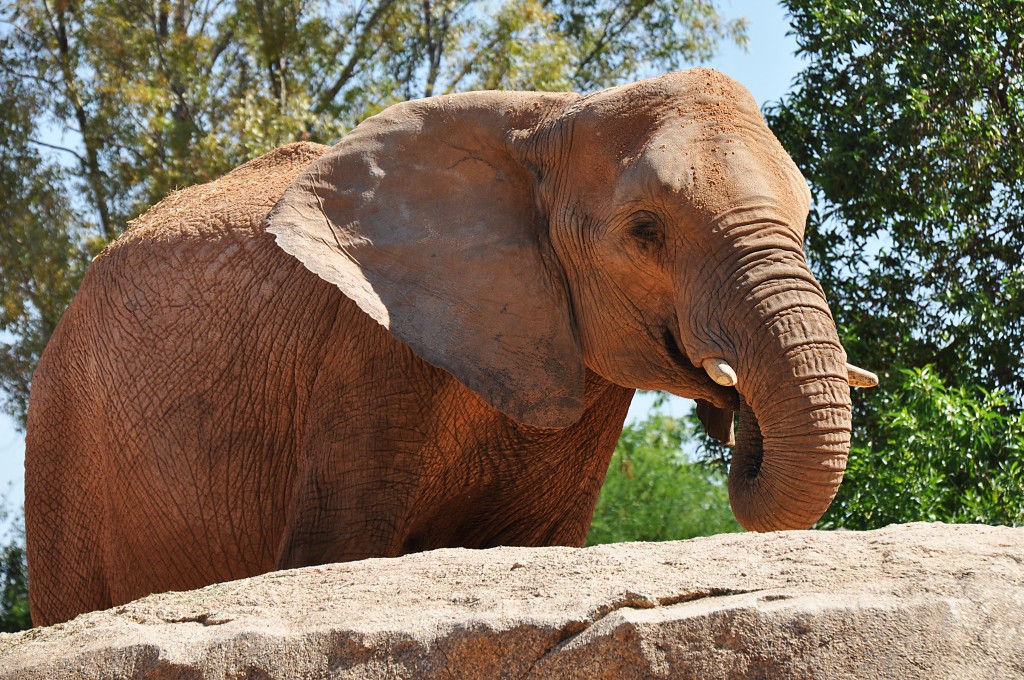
[
  {"x": 654, "y": 492},
  {"x": 908, "y": 122},
  {"x": 14, "y": 614},
  {"x": 42, "y": 252},
  {"x": 112, "y": 104},
  {"x": 946, "y": 454}
]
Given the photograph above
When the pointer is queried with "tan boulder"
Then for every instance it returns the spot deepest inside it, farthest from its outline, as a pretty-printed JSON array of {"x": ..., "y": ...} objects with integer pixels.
[{"x": 919, "y": 600}]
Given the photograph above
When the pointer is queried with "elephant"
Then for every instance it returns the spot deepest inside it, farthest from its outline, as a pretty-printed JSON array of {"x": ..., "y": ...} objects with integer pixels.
[{"x": 428, "y": 336}]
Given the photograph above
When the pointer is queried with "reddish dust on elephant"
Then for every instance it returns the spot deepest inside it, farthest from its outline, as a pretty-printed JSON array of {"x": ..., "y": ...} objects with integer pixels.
[{"x": 428, "y": 336}]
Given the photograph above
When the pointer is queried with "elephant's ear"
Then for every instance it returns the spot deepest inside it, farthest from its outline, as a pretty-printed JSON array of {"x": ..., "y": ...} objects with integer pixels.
[
  {"x": 718, "y": 422},
  {"x": 425, "y": 216}
]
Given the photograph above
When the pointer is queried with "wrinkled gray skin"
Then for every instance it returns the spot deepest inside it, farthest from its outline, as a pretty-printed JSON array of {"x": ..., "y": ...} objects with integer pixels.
[{"x": 431, "y": 340}]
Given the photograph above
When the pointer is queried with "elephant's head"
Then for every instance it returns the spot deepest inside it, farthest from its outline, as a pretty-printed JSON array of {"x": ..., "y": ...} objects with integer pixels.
[{"x": 652, "y": 233}]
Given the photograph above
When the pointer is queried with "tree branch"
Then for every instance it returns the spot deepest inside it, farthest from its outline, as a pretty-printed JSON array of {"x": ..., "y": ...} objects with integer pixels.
[
  {"x": 219, "y": 47},
  {"x": 607, "y": 34},
  {"x": 326, "y": 98},
  {"x": 28, "y": 76},
  {"x": 467, "y": 66},
  {"x": 91, "y": 162},
  {"x": 74, "y": 153}
]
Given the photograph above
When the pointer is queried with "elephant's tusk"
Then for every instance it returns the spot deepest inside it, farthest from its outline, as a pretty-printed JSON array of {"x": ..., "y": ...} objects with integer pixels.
[
  {"x": 858, "y": 377},
  {"x": 720, "y": 371}
]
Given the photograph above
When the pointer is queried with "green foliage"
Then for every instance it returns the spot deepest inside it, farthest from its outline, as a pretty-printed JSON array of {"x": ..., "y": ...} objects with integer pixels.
[
  {"x": 908, "y": 121},
  {"x": 653, "y": 492},
  {"x": 943, "y": 453},
  {"x": 14, "y": 614},
  {"x": 108, "y": 105},
  {"x": 41, "y": 259}
]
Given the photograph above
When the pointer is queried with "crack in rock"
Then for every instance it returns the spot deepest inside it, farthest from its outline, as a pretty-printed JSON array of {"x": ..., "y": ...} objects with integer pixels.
[
  {"x": 629, "y": 600},
  {"x": 205, "y": 618}
]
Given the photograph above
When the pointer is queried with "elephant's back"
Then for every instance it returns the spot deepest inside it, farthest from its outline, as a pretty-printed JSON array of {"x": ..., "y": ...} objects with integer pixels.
[
  {"x": 185, "y": 301},
  {"x": 237, "y": 201},
  {"x": 199, "y": 264},
  {"x": 188, "y": 262}
]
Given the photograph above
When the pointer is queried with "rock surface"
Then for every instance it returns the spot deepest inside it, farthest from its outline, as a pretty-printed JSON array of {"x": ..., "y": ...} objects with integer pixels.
[{"x": 919, "y": 600}]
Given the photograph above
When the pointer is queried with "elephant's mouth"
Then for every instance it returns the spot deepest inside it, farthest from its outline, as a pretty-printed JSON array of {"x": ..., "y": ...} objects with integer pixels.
[
  {"x": 672, "y": 347},
  {"x": 723, "y": 397}
]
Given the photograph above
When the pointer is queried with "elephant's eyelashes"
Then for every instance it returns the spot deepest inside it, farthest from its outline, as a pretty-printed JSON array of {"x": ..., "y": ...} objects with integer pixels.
[{"x": 644, "y": 227}]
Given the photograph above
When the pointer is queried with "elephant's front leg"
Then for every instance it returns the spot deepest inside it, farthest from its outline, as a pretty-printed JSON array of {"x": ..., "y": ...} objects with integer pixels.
[{"x": 360, "y": 467}]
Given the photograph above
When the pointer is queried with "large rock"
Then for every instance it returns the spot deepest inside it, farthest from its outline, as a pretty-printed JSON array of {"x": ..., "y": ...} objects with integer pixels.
[{"x": 919, "y": 600}]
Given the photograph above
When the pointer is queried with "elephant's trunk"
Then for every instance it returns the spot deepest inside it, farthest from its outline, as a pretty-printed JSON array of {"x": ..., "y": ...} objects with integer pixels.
[{"x": 794, "y": 433}]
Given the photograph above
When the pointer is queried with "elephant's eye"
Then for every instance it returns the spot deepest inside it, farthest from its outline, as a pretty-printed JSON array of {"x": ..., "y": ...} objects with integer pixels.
[{"x": 644, "y": 227}]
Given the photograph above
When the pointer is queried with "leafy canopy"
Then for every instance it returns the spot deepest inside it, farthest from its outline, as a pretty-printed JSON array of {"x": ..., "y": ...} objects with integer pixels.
[
  {"x": 946, "y": 454},
  {"x": 908, "y": 122},
  {"x": 109, "y": 105}
]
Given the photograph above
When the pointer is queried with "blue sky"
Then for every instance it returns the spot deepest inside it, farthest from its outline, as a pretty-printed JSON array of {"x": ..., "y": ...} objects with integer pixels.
[{"x": 767, "y": 67}]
